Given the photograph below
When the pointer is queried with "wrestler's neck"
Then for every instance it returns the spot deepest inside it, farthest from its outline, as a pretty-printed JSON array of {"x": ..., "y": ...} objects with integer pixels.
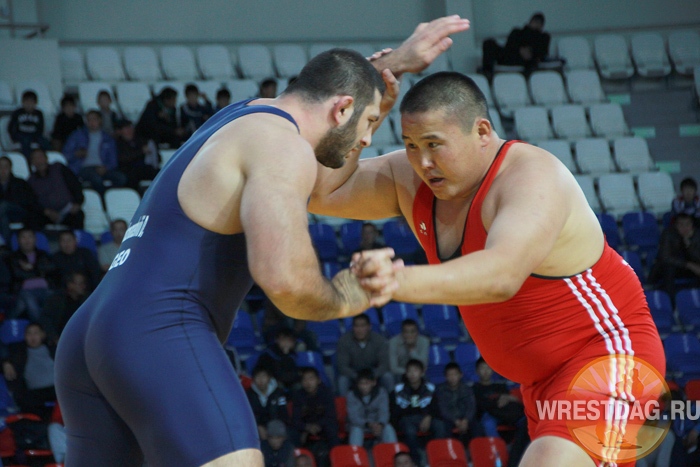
[{"x": 313, "y": 119}]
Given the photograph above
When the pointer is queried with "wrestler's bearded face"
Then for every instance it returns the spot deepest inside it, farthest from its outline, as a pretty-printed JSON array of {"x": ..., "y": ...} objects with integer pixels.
[{"x": 337, "y": 142}]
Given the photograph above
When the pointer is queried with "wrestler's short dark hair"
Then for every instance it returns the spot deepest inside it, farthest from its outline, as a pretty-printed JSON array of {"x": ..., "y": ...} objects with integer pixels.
[
  {"x": 338, "y": 72},
  {"x": 453, "y": 92}
]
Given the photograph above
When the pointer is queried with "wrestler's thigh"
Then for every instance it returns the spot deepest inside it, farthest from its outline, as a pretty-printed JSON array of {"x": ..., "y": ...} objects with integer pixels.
[
  {"x": 552, "y": 451},
  {"x": 244, "y": 457}
]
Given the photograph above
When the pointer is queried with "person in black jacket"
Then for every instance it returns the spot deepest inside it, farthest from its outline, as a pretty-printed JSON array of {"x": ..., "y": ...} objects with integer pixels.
[
  {"x": 136, "y": 156},
  {"x": 18, "y": 202},
  {"x": 313, "y": 410},
  {"x": 679, "y": 255},
  {"x": 159, "y": 120},
  {"x": 26, "y": 125},
  {"x": 66, "y": 123},
  {"x": 280, "y": 358},
  {"x": 267, "y": 400},
  {"x": 62, "y": 304},
  {"x": 71, "y": 258},
  {"x": 457, "y": 405}
]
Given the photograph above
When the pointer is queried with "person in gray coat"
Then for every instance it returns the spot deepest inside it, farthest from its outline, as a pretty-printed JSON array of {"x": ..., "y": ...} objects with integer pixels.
[
  {"x": 368, "y": 411},
  {"x": 406, "y": 346}
]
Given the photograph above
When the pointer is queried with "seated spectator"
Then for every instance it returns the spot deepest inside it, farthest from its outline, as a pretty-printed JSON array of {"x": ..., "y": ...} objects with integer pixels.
[
  {"x": 18, "y": 201},
  {"x": 407, "y": 346},
  {"x": 28, "y": 370},
  {"x": 58, "y": 192},
  {"x": 679, "y": 254},
  {"x": 7, "y": 295},
  {"x": 267, "y": 400},
  {"x": 62, "y": 304},
  {"x": 193, "y": 114},
  {"x": 277, "y": 450},
  {"x": 368, "y": 240},
  {"x": 26, "y": 125},
  {"x": 280, "y": 358},
  {"x": 303, "y": 461},
  {"x": 688, "y": 202},
  {"x": 403, "y": 459},
  {"x": 457, "y": 405},
  {"x": 494, "y": 399},
  {"x": 414, "y": 408},
  {"x": 223, "y": 99},
  {"x": 368, "y": 411},
  {"x": 67, "y": 121},
  {"x": 159, "y": 120},
  {"x": 313, "y": 410},
  {"x": 92, "y": 154},
  {"x": 72, "y": 258},
  {"x": 306, "y": 339},
  {"x": 268, "y": 88},
  {"x": 362, "y": 349},
  {"x": 58, "y": 439},
  {"x": 109, "y": 116},
  {"x": 107, "y": 251},
  {"x": 137, "y": 158},
  {"x": 273, "y": 320},
  {"x": 33, "y": 272},
  {"x": 527, "y": 47}
]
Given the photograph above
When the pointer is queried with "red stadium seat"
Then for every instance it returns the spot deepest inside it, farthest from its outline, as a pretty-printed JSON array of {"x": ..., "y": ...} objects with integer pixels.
[
  {"x": 692, "y": 390},
  {"x": 484, "y": 450},
  {"x": 305, "y": 452},
  {"x": 446, "y": 453},
  {"x": 341, "y": 412},
  {"x": 349, "y": 456},
  {"x": 384, "y": 453}
]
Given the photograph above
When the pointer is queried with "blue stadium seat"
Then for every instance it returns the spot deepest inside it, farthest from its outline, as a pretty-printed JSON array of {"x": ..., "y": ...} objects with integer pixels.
[
  {"x": 441, "y": 321},
  {"x": 327, "y": 332},
  {"x": 661, "y": 309},
  {"x": 466, "y": 356},
  {"x": 688, "y": 304},
  {"x": 641, "y": 230},
  {"x": 86, "y": 240},
  {"x": 350, "y": 236},
  {"x": 106, "y": 238},
  {"x": 666, "y": 220},
  {"x": 250, "y": 361},
  {"x": 6, "y": 401},
  {"x": 373, "y": 319},
  {"x": 399, "y": 236},
  {"x": 633, "y": 259},
  {"x": 42, "y": 243},
  {"x": 683, "y": 354},
  {"x": 313, "y": 360},
  {"x": 330, "y": 269},
  {"x": 242, "y": 335},
  {"x": 609, "y": 226},
  {"x": 394, "y": 313},
  {"x": 437, "y": 359},
  {"x": 12, "y": 330},
  {"x": 323, "y": 237}
]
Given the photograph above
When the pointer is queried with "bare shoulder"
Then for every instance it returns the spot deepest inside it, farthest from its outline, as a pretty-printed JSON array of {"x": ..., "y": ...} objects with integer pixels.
[
  {"x": 531, "y": 165},
  {"x": 406, "y": 180}
]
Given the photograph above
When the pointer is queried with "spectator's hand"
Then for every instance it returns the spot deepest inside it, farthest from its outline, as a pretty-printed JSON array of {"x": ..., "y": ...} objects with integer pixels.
[
  {"x": 462, "y": 425},
  {"x": 425, "y": 424},
  {"x": 390, "y": 96},
  {"x": 691, "y": 440},
  {"x": 313, "y": 428},
  {"x": 526, "y": 53},
  {"x": 376, "y": 429},
  {"x": 53, "y": 216},
  {"x": 101, "y": 170},
  {"x": 181, "y": 132},
  {"x": 74, "y": 208},
  {"x": 9, "y": 371},
  {"x": 505, "y": 399},
  {"x": 146, "y": 149},
  {"x": 80, "y": 153},
  {"x": 25, "y": 265},
  {"x": 377, "y": 273},
  {"x": 262, "y": 431}
]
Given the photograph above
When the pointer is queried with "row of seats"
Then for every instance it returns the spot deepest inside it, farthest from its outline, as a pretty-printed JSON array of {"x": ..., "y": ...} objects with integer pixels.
[
  {"x": 682, "y": 356},
  {"x": 686, "y": 314}
]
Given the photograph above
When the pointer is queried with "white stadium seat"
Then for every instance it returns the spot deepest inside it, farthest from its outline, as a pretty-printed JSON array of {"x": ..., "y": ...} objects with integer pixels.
[
  {"x": 255, "y": 62},
  {"x": 510, "y": 91},
  {"x": 289, "y": 59},
  {"x": 483, "y": 84},
  {"x": 95, "y": 217},
  {"x": 5, "y": 140},
  {"x": 586, "y": 184},
  {"x": 132, "y": 98},
  {"x": 88, "y": 92},
  {"x": 121, "y": 203},
  {"x": 532, "y": 124},
  {"x": 584, "y": 87},
  {"x": 165, "y": 155},
  {"x": 684, "y": 49},
  {"x": 242, "y": 89},
  {"x": 593, "y": 156},
  {"x": 577, "y": 53},
  {"x": 7, "y": 99},
  {"x": 656, "y": 192},
  {"x": 316, "y": 49},
  {"x": 632, "y": 155},
  {"x": 613, "y": 57},
  {"x": 20, "y": 168},
  {"x": 617, "y": 194},
  {"x": 547, "y": 89},
  {"x": 178, "y": 63},
  {"x": 103, "y": 64},
  {"x": 496, "y": 123},
  {"x": 562, "y": 151},
  {"x": 366, "y": 50},
  {"x": 215, "y": 62},
  {"x": 608, "y": 120},
  {"x": 368, "y": 153},
  {"x": 649, "y": 55},
  {"x": 72, "y": 65},
  {"x": 441, "y": 63},
  {"x": 55, "y": 156},
  {"x": 141, "y": 64},
  {"x": 569, "y": 122},
  {"x": 384, "y": 136}
]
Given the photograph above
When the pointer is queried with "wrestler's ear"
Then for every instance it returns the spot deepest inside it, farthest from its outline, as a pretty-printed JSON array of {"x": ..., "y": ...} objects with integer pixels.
[
  {"x": 484, "y": 130},
  {"x": 343, "y": 107}
]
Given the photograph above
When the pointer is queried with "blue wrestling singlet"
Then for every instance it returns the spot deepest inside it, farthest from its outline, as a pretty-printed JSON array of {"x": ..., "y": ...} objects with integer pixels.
[{"x": 140, "y": 369}]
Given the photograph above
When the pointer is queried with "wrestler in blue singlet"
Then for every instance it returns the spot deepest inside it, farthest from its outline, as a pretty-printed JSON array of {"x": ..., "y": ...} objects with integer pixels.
[{"x": 140, "y": 368}]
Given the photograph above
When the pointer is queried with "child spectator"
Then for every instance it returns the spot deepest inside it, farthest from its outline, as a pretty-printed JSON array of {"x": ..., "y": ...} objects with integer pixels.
[
  {"x": 457, "y": 405},
  {"x": 406, "y": 346},
  {"x": 313, "y": 411},
  {"x": 109, "y": 116},
  {"x": 71, "y": 258},
  {"x": 159, "y": 120},
  {"x": 62, "y": 304},
  {"x": 268, "y": 88},
  {"x": 280, "y": 358},
  {"x": 403, "y": 459},
  {"x": 303, "y": 460},
  {"x": 368, "y": 411},
  {"x": 223, "y": 99},
  {"x": 26, "y": 125},
  {"x": 18, "y": 202},
  {"x": 368, "y": 239},
  {"x": 688, "y": 202},
  {"x": 267, "y": 400},
  {"x": 192, "y": 113},
  {"x": 277, "y": 450},
  {"x": 137, "y": 158},
  {"x": 494, "y": 399},
  {"x": 107, "y": 251},
  {"x": 67, "y": 121}
]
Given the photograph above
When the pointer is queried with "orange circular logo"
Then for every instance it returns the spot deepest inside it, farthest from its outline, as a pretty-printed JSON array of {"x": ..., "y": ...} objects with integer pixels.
[{"x": 616, "y": 405}]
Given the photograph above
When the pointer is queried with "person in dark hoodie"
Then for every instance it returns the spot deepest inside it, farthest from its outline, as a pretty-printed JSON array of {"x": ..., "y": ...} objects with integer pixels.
[
  {"x": 457, "y": 404},
  {"x": 368, "y": 411},
  {"x": 26, "y": 125},
  {"x": 280, "y": 358},
  {"x": 18, "y": 202},
  {"x": 277, "y": 450},
  {"x": 159, "y": 120},
  {"x": 313, "y": 412},
  {"x": 267, "y": 400}
]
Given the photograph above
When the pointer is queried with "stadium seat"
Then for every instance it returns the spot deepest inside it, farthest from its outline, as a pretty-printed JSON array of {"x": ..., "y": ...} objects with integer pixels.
[
  {"x": 488, "y": 451},
  {"x": 613, "y": 57},
  {"x": 327, "y": 332},
  {"x": 655, "y": 191},
  {"x": 178, "y": 86},
  {"x": 5, "y": 140},
  {"x": 446, "y": 453},
  {"x": 12, "y": 331},
  {"x": 399, "y": 236},
  {"x": 289, "y": 59},
  {"x": 577, "y": 52},
  {"x": 562, "y": 151},
  {"x": 242, "y": 335},
  {"x": 640, "y": 230},
  {"x": 692, "y": 390},
  {"x": 593, "y": 156},
  {"x": 404, "y": 87},
  {"x": 95, "y": 217},
  {"x": 569, "y": 122},
  {"x": 314, "y": 360},
  {"x": 373, "y": 316},
  {"x": 72, "y": 65},
  {"x": 351, "y": 234},
  {"x": 178, "y": 63},
  {"x": 6, "y": 405},
  {"x": 649, "y": 55},
  {"x": 349, "y": 456},
  {"x": 442, "y": 322},
  {"x": 255, "y": 62},
  {"x": 495, "y": 118},
  {"x": 166, "y": 155},
  {"x": 341, "y": 415},
  {"x": 635, "y": 261},
  {"x": 483, "y": 84},
  {"x": 42, "y": 242},
  {"x": 86, "y": 240},
  {"x": 586, "y": 184},
  {"x": 364, "y": 49},
  {"x": 215, "y": 62},
  {"x": 466, "y": 355},
  {"x": 607, "y": 120},
  {"x": 609, "y": 226},
  {"x": 510, "y": 91},
  {"x": 316, "y": 49},
  {"x": 298, "y": 452},
  {"x": 368, "y": 153},
  {"x": 141, "y": 64},
  {"x": 132, "y": 98},
  {"x": 121, "y": 203},
  {"x": 323, "y": 237},
  {"x": 617, "y": 194},
  {"x": 684, "y": 50},
  {"x": 661, "y": 309},
  {"x": 383, "y": 453},
  {"x": 441, "y": 63},
  {"x": 683, "y": 354},
  {"x": 547, "y": 89},
  {"x": 55, "y": 156},
  {"x": 688, "y": 304},
  {"x": 384, "y": 135},
  {"x": 584, "y": 87},
  {"x": 394, "y": 313},
  {"x": 7, "y": 99},
  {"x": 532, "y": 124},
  {"x": 103, "y": 64},
  {"x": 330, "y": 269},
  {"x": 437, "y": 359},
  {"x": 20, "y": 168},
  {"x": 88, "y": 92},
  {"x": 632, "y": 155},
  {"x": 242, "y": 89}
]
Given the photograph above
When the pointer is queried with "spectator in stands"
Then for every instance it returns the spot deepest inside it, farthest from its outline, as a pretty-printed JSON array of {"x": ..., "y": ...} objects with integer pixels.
[
  {"x": 193, "y": 113},
  {"x": 62, "y": 304},
  {"x": 109, "y": 116},
  {"x": 18, "y": 203},
  {"x": 33, "y": 271},
  {"x": 7, "y": 297},
  {"x": 72, "y": 258},
  {"x": 362, "y": 349},
  {"x": 280, "y": 358},
  {"x": 137, "y": 158},
  {"x": 159, "y": 120},
  {"x": 273, "y": 320},
  {"x": 107, "y": 251},
  {"x": 403, "y": 459},
  {"x": 679, "y": 254},
  {"x": 303, "y": 460},
  {"x": 688, "y": 202},
  {"x": 28, "y": 370},
  {"x": 306, "y": 339},
  {"x": 268, "y": 88},
  {"x": 495, "y": 404},
  {"x": 223, "y": 98},
  {"x": 91, "y": 153},
  {"x": 67, "y": 121},
  {"x": 313, "y": 410},
  {"x": 368, "y": 240},
  {"x": 457, "y": 405},
  {"x": 58, "y": 191},
  {"x": 407, "y": 346},
  {"x": 368, "y": 411},
  {"x": 277, "y": 450},
  {"x": 267, "y": 400},
  {"x": 26, "y": 125},
  {"x": 526, "y": 47},
  {"x": 414, "y": 408}
]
